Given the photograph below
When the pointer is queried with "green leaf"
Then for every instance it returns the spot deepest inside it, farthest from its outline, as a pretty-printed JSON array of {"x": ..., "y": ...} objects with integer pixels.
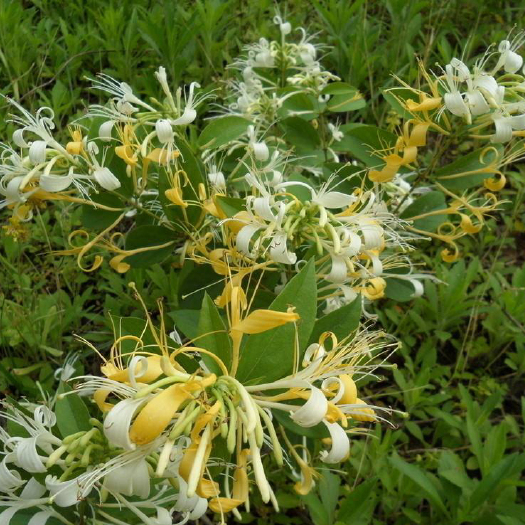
[
  {"x": 362, "y": 141},
  {"x": 300, "y": 133},
  {"x": 342, "y": 322},
  {"x": 98, "y": 219},
  {"x": 297, "y": 103},
  {"x": 353, "y": 506},
  {"x": 217, "y": 341},
  {"x": 345, "y": 97},
  {"x": 230, "y": 205},
  {"x": 270, "y": 355},
  {"x": 222, "y": 130},
  {"x": 186, "y": 321},
  {"x": 429, "y": 202},
  {"x": 399, "y": 290},
  {"x": 72, "y": 414},
  {"x": 145, "y": 236},
  {"x": 469, "y": 171},
  {"x": 504, "y": 469},
  {"x": 420, "y": 478},
  {"x": 403, "y": 94},
  {"x": 329, "y": 491},
  {"x": 318, "y": 512}
]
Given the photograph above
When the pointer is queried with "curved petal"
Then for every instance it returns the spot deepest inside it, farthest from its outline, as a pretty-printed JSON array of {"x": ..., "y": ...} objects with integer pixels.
[
  {"x": 118, "y": 422},
  {"x": 477, "y": 103},
  {"x": 244, "y": 237},
  {"x": 106, "y": 179},
  {"x": 373, "y": 236},
  {"x": 33, "y": 490},
  {"x": 261, "y": 206},
  {"x": 260, "y": 150},
  {"x": 187, "y": 117},
  {"x": 456, "y": 105},
  {"x": 340, "y": 444},
  {"x": 18, "y": 139},
  {"x": 334, "y": 199},
  {"x": 104, "y": 132},
  {"x": 27, "y": 456},
  {"x": 338, "y": 273},
  {"x": 279, "y": 250},
  {"x": 513, "y": 62},
  {"x": 131, "y": 479},
  {"x": 63, "y": 493},
  {"x": 37, "y": 152},
  {"x": 40, "y": 518},
  {"x": 9, "y": 479},
  {"x": 313, "y": 411},
  {"x": 54, "y": 183},
  {"x": 503, "y": 129}
]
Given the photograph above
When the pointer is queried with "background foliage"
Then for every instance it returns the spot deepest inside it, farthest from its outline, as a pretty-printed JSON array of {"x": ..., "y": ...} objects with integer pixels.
[{"x": 458, "y": 456}]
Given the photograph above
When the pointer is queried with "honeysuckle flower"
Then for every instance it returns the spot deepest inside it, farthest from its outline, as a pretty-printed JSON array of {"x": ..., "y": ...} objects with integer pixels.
[
  {"x": 122, "y": 93},
  {"x": 509, "y": 59},
  {"x": 259, "y": 148},
  {"x": 284, "y": 27},
  {"x": 216, "y": 178},
  {"x": 131, "y": 479},
  {"x": 189, "y": 114}
]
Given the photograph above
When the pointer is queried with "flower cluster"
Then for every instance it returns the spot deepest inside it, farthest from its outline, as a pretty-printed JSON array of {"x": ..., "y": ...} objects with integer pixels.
[
  {"x": 479, "y": 96},
  {"x": 164, "y": 426}
]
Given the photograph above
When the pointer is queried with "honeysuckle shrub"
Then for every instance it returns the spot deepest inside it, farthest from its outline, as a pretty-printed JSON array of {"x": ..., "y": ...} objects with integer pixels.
[{"x": 283, "y": 225}]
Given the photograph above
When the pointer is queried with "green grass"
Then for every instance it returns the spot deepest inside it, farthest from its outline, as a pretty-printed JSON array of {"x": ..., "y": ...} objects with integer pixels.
[{"x": 456, "y": 458}]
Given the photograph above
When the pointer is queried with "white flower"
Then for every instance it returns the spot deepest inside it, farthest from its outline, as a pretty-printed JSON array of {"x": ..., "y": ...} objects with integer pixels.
[
  {"x": 118, "y": 421},
  {"x": 37, "y": 151},
  {"x": 260, "y": 149},
  {"x": 509, "y": 59},
  {"x": 106, "y": 179},
  {"x": 505, "y": 125},
  {"x": 284, "y": 27},
  {"x": 453, "y": 99},
  {"x": 189, "y": 114},
  {"x": 313, "y": 411},
  {"x": 164, "y": 131},
  {"x": 336, "y": 134},
  {"x": 340, "y": 444},
  {"x": 9, "y": 479},
  {"x": 131, "y": 479},
  {"x": 216, "y": 178},
  {"x": 65, "y": 493},
  {"x": 104, "y": 131},
  {"x": 279, "y": 249}
]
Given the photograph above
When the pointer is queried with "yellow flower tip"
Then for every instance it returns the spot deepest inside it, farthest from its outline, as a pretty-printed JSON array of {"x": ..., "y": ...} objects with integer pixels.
[
  {"x": 449, "y": 256},
  {"x": 238, "y": 221},
  {"x": 374, "y": 288},
  {"x": 350, "y": 394},
  {"x": 467, "y": 226},
  {"x": 100, "y": 397},
  {"x": 74, "y": 148},
  {"x": 223, "y": 505},
  {"x": 495, "y": 184},
  {"x": 117, "y": 264},
  {"x": 162, "y": 156},
  {"x": 156, "y": 415},
  {"x": 208, "y": 488},
  {"x": 126, "y": 154},
  {"x": 174, "y": 195},
  {"x": 426, "y": 103},
  {"x": 363, "y": 413},
  {"x": 262, "y": 320},
  {"x": 393, "y": 163}
]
